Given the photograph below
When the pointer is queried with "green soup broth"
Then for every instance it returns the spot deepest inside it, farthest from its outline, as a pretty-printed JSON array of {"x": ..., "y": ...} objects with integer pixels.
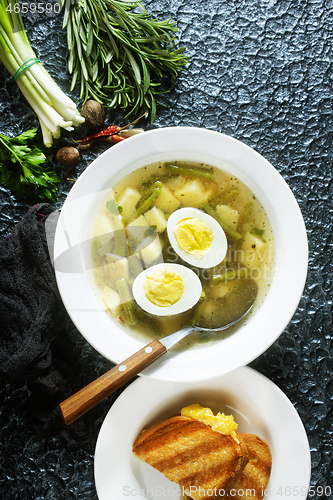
[{"x": 152, "y": 193}]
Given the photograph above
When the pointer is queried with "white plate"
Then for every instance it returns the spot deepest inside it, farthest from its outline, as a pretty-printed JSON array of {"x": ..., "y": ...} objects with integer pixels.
[
  {"x": 262, "y": 327},
  {"x": 257, "y": 404}
]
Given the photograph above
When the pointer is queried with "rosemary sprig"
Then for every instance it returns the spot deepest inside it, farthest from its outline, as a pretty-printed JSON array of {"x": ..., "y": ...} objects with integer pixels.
[{"x": 119, "y": 55}]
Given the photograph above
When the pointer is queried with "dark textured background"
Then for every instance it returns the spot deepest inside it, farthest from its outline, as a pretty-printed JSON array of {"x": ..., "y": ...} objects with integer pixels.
[{"x": 260, "y": 71}]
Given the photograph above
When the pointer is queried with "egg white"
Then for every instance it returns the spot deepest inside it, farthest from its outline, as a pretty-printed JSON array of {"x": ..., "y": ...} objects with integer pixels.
[
  {"x": 191, "y": 294},
  {"x": 218, "y": 248}
]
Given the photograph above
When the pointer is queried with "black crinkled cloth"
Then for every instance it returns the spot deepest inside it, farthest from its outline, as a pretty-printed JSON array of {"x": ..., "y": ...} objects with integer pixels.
[{"x": 34, "y": 347}]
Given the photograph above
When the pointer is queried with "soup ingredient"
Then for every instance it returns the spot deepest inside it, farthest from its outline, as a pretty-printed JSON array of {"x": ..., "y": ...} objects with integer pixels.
[
  {"x": 68, "y": 156},
  {"x": 156, "y": 219},
  {"x": 192, "y": 193},
  {"x": 193, "y": 172},
  {"x": 128, "y": 201},
  {"x": 112, "y": 299},
  {"x": 197, "y": 238},
  {"x": 230, "y": 275},
  {"x": 219, "y": 422},
  {"x": 94, "y": 114},
  {"x": 148, "y": 202},
  {"x": 53, "y": 108},
  {"x": 164, "y": 287},
  {"x": 228, "y": 230},
  {"x": 228, "y": 215},
  {"x": 259, "y": 232},
  {"x": 228, "y": 287},
  {"x": 193, "y": 236},
  {"x": 167, "y": 289},
  {"x": 127, "y": 301},
  {"x": 254, "y": 252},
  {"x": 113, "y": 48},
  {"x": 24, "y": 169},
  {"x": 118, "y": 228}
]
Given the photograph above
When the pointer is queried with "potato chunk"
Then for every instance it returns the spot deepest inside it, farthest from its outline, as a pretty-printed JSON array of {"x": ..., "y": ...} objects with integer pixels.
[
  {"x": 192, "y": 194},
  {"x": 136, "y": 229},
  {"x": 117, "y": 269},
  {"x": 151, "y": 251},
  {"x": 166, "y": 201},
  {"x": 221, "y": 289},
  {"x": 253, "y": 252},
  {"x": 128, "y": 201},
  {"x": 104, "y": 230},
  {"x": 228, "y": 215},
  {"x": 111, "y": 299},
  {"x": 155, "y": 217}
]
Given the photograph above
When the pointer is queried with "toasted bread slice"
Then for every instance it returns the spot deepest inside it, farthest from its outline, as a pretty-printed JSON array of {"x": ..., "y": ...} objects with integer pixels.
[
  {"x": 253, "y": 480},
  {"x": 201, "y": 461}
]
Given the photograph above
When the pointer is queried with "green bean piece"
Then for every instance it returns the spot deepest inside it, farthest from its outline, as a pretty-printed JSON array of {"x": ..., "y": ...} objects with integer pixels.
[
  {"x": 120, "y": 241},
  {"x": 127, "y": 301},
  {"x": 135, "y": 265},
  {"x": 97, "y": 264},
  {"x": 230, "y": 195},
  {"x": 148, "y": 202},
  {"x": 230, "y": 275},
  {"x": 248, "y": 212},
  {"x": 147, "y": 192},
  {"x": 226, "y": 228},
  {"x": 194, "y": 172}
]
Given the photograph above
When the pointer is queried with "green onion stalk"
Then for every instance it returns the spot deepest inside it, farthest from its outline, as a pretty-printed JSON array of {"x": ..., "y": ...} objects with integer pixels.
[{"x": 54, "y": 109}]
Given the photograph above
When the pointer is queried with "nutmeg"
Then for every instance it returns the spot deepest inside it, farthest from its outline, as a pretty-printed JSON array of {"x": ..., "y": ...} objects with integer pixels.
[
  {"x": 94, "y": 114},
  {"x": 68, "y": 156}
]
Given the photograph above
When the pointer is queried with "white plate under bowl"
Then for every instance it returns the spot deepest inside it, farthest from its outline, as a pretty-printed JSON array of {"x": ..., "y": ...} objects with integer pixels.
[
  {"x": 71, "y": 250},
  {"x": 258, "y": 406}
]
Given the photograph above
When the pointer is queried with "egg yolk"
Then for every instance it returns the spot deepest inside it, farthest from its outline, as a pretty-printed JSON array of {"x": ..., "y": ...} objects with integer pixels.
[
  {"x": 193, "y": 236},
  {"x": 220, "y": 422},
  {"x": 164, "y": 288}
]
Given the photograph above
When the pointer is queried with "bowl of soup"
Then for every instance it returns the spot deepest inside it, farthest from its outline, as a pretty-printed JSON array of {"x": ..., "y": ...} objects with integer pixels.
[{"x": 177, "y": 226}]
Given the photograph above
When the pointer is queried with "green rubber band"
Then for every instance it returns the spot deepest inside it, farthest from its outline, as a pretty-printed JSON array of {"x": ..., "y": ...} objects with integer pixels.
[{"x": 25, "y": 66}]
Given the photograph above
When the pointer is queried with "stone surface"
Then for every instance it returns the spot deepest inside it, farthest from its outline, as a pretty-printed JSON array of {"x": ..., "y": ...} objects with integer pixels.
[{"x": 260, "y": 71}]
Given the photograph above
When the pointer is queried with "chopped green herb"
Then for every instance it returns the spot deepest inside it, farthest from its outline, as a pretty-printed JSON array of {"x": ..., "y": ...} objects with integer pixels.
[
  {"x": 23, "y": 167},
  {"x": 259, "y": 232},
  {"x": 113, "y": 207},
  {"x": 150, "y": 231}
]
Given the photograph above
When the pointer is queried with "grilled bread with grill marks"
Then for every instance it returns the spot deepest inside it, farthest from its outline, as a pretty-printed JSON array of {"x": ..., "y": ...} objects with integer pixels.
[
  {"x": 201, "y": 461},
  {"x": 253, "y": 480}
]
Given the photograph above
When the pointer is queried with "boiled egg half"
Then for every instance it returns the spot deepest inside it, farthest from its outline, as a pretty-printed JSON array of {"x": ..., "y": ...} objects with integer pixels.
[
  {"x": 167, "y": 289},
  {"x": 196, "y": 237}
]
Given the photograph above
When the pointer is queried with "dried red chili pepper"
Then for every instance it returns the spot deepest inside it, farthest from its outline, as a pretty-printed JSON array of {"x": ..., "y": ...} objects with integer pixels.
[{"x": 107, "y": 133}]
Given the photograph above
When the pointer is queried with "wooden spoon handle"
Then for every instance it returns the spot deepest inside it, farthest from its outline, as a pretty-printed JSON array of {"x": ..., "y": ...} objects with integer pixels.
[{"x": 82, "y": 401}]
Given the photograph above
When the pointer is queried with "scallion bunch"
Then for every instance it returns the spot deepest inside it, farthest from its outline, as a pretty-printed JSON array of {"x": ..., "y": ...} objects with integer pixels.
[{"x": 53, "y": 108}]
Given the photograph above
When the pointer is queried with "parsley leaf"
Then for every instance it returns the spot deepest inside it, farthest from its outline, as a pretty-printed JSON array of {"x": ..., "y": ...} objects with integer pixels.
[
  {"x": 24, "y": 169},
  {"x": 150, "y": 231},
  {"x": 258, "y": 232},
  {"x": 113, "y": 207}
]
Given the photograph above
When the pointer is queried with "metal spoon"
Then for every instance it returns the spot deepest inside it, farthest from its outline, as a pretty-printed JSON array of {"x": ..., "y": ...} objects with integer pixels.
[{"x": 85, "y": 399}]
